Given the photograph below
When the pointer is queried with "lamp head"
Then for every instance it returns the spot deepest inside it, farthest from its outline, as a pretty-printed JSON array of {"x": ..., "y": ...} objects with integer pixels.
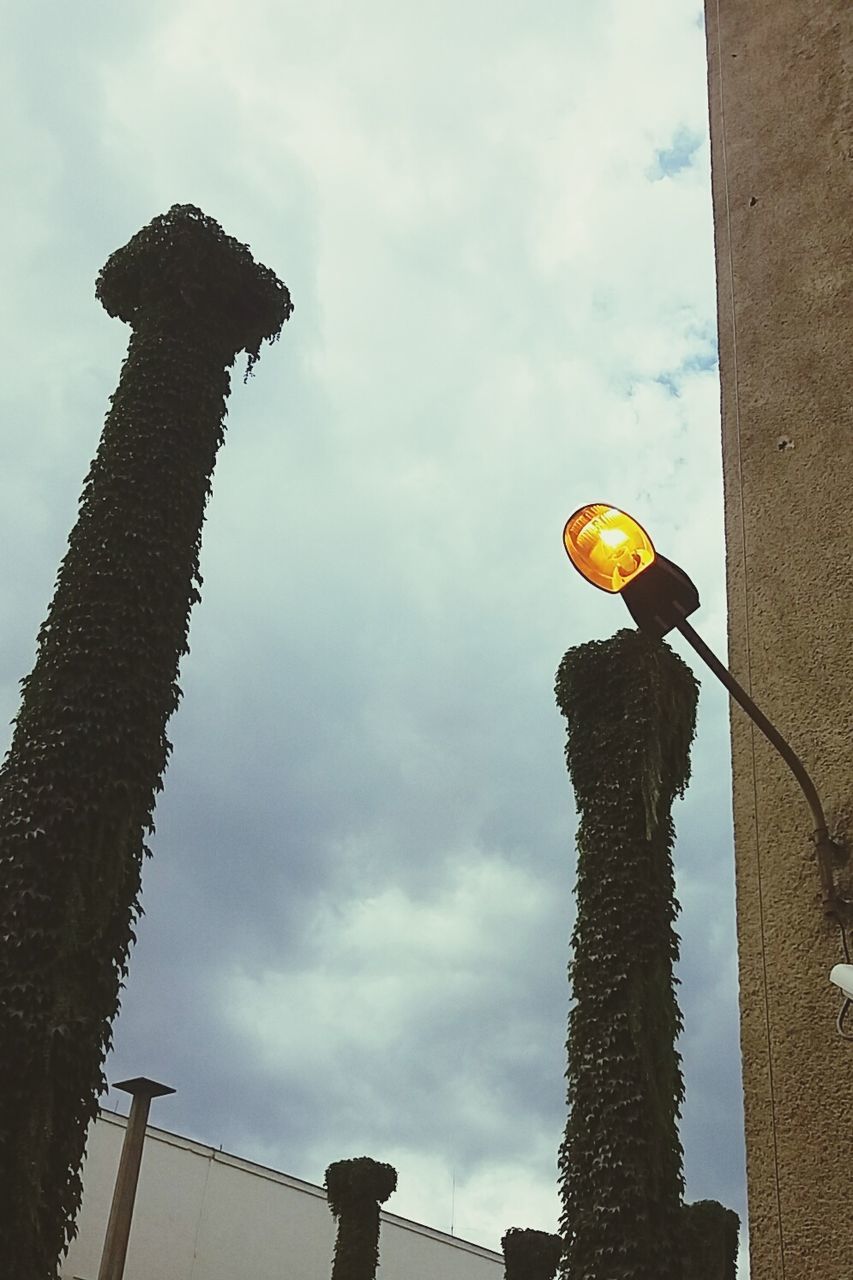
[
  {"x": 614, "y": 552},
  {"x": 607, "y": 546}
]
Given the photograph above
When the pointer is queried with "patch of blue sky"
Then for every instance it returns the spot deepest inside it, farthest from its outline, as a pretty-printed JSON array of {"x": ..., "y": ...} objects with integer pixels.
[
  {"x": 678, "y": 156},
  {"x": 702, "y": 361}
]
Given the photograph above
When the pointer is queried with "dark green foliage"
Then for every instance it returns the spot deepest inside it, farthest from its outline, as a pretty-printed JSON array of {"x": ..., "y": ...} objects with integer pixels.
[
  {"x": 530, "y": 1255},
  {"x": 709, "y": 1241},
  {"x": 183, "y": 273},
  {"x": 630, "y": 704},
  {"x": 355, "y": 1190},
  {"x": 78, "y": 786}
]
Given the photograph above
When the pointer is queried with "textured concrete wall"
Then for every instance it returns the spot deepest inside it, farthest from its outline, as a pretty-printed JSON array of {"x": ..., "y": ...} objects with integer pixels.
[{"x": 782, "y": 153}]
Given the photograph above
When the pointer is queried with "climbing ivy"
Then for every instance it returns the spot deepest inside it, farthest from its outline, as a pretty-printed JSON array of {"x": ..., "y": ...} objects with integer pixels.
[
  {"x": 530, "y": 1255},
  {"x": 89, "y": 748},
  {"x": 355, "y": 1189},
  {"x": 709, "y": 1234},
  {"x": 183, "y": 275},
  {"x": 630, "y": 706}
]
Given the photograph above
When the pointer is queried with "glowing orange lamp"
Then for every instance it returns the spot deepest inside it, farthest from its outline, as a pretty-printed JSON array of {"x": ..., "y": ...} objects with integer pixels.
[
  {"x": 607, "y": 546},
  {"x": 614, "y": 552}
]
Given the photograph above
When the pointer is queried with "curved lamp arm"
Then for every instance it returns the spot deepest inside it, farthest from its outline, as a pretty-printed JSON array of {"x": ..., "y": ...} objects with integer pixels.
[{"x": 825, "y": 848}]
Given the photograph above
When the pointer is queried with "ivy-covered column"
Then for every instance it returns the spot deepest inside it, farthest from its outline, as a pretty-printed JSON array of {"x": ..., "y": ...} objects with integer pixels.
[
  {"x": 530, "y": 1255},
  {"x": 78, "y": 786},
  {"x": 630, "y": 705},
  {"x": 355, "y": 1190}
]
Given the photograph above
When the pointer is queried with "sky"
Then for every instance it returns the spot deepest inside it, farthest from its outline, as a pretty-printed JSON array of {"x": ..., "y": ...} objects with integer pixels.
[{"x": 495, "y": 223}]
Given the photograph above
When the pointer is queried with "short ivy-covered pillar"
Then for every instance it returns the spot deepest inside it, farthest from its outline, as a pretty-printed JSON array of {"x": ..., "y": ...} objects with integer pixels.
[
  {"x": 355, "y": 1190},
  {"x": 530, "y": 1255}
]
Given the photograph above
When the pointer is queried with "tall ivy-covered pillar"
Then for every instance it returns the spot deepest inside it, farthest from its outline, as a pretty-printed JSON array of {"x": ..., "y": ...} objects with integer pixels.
[
  {"x": 630, "y": 707},
  {"x": 78, "y": 786}
]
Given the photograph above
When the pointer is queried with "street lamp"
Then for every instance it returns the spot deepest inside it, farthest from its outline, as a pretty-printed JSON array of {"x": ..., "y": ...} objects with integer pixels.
[{"x": 614, "y": 552}]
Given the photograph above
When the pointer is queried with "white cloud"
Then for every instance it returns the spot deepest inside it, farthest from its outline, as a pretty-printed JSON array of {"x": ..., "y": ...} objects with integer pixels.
[
  {"x": 476, "y": 1203},
  {"x": 375, "y": 969}
]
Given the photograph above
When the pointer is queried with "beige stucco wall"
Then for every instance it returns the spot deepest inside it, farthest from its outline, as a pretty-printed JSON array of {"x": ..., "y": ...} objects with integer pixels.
[
  {"x": 201, "y": 1214},
  {"x": 782, "y": 154}
]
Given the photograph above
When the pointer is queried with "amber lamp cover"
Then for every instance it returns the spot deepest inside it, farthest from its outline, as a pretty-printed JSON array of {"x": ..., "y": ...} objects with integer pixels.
[{"x": 607, "y": 546}]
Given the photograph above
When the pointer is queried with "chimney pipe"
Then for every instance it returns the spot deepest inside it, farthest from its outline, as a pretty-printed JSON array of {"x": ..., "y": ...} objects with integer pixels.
[{"x": 142, "y": 1091}]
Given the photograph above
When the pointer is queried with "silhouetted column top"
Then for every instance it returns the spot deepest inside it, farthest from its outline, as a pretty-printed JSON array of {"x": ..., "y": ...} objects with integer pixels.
[{"x": 182, "y": 273}]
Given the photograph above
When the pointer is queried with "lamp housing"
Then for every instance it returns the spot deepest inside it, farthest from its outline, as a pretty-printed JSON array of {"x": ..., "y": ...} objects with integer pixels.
[{"x": 660, "y": 597}]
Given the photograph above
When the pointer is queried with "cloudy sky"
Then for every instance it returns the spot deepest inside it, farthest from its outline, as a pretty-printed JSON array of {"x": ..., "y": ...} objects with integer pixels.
[{"x": 495, "y": 222}]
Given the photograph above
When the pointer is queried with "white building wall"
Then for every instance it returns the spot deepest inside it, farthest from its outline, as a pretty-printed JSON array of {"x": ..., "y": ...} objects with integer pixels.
[{"x": 201, "y": 1214}]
